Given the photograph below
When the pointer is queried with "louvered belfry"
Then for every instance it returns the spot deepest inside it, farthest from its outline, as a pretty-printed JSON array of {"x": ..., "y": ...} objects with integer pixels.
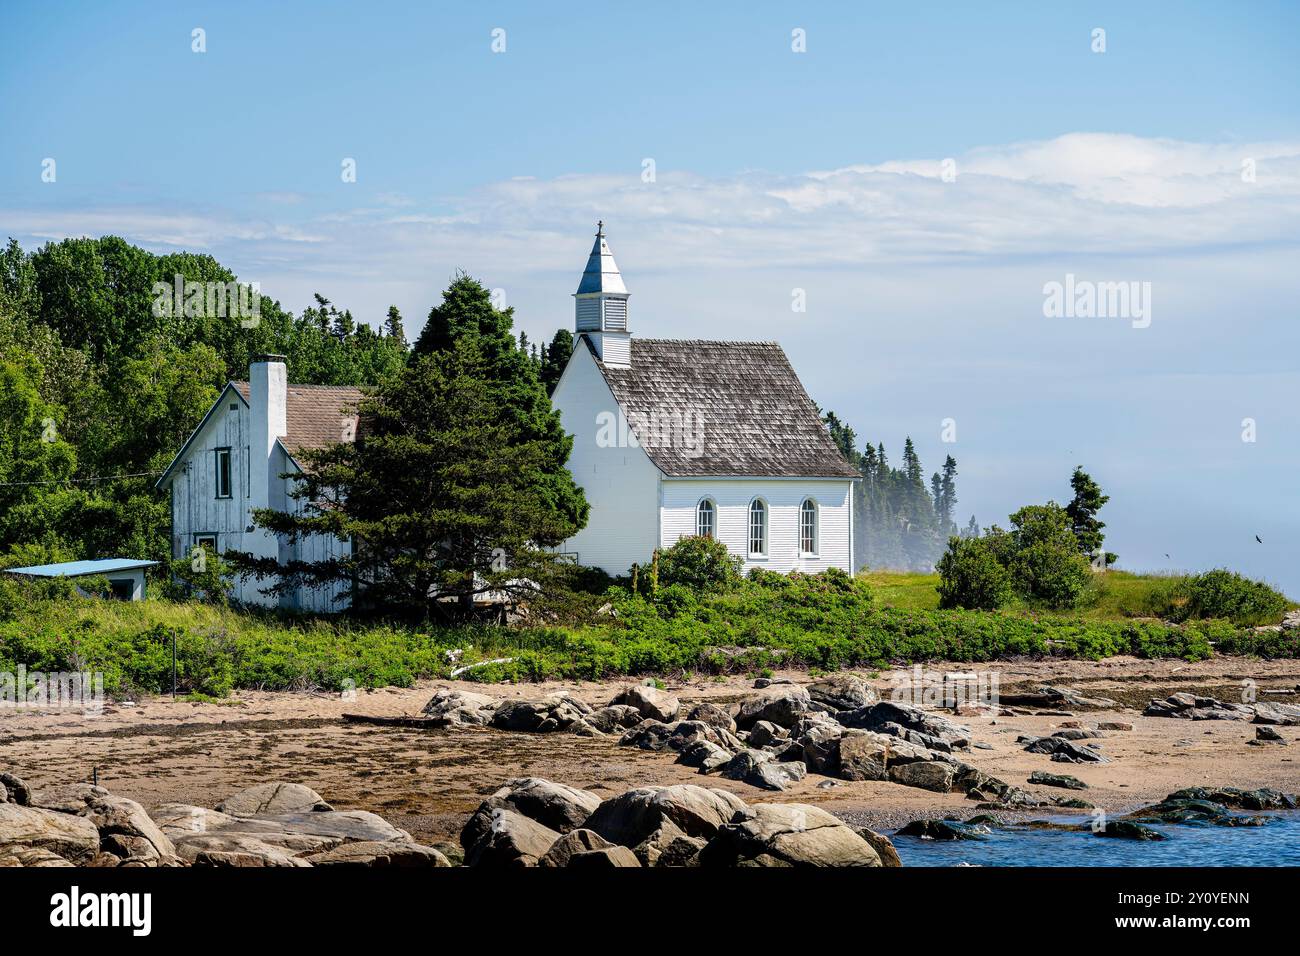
[{"x": 600, "y": 305}]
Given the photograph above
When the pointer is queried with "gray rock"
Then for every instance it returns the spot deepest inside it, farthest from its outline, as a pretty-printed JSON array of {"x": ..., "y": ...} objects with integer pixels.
[
  {"x": 776, "y": 774},
  {"x": 547, "y": 715},
  {"x": 863, "y": 756},
  {"x": 575, "y": 841},
  {"x": 1057, "y": 780},
  {"x": 707, "y": 756},
  {"x": 555, "y": 806},
  {"x": 650, "y": 702},
  {"x": 18, "y": 792},
  {"x": 510, "y": 840},
  {"x": 380, "y": 856},
  {"x": 1191, "y": 707},
  {"x": 227, "y": 850},
  {"x": 460, "y": 707},
  {"x": 604, "y": 859},
  {"x": 782, "y": 705},
  {"x": 935, "y": 775},
  {"x": 883, "y": 846},
  {"x": 269, "y": 798},
  {"x": 1286, "y": 715},
  {"x": 781, "y": 835},
  {"x": 765, "y": 733},
  {"x": 842, "y": 692},
  {"x": 1078, "y": 733},
  {"x": 614, "y": 717},
  {"x": 1064, "y": 751},
  {"x": 713, "y": 714},
  {"x": 629, "y": 818},
  {"x": 892, "y": 716},
  {"x": 73, "y": 838},
  {"x": 1267, "y": 735}
]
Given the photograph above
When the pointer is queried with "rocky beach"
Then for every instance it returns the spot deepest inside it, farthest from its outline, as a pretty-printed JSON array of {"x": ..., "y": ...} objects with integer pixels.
[{"x": 799, "y": 769}]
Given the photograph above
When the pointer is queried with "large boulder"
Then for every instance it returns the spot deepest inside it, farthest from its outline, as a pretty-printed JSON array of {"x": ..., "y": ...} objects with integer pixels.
[
  {"x": 510, "y": 839},
  {"x": 575, "y": 841},
  {"x": 192, "y": 828},
  {"x": 1286, "y": 715},
  {"x": 460, "y": 707},
  {"x": 125, "y": 830},
  {"x": 655, "y": 735},
  {"x": 863, "y": 756},
  {"x": 606, "y": 858},
  {"x": 615, "y": 717},
  {"x": 556, "y": 712},
  {"x": 781, "y": 704},
  {"x": 767, "y": 734},
  {"x": 273, "y": 798},
  {"x": 894, "y": 718},
  {"x": 380, "y": 855},
  {"x": 713, "y": 714},
  {"x": 934, "y": 775},
  {"x": 73, "y": 838},
  {"x": 649, "y": 701},
  {"x": 794, "y": 834},
  {"x": 554, "y": 805},
  {"x": 842, "y": 692},
  {"x": 13, "y": 789},
  {"x": 1063, "y": 780},
  {"x": 883, "y": 846},
  {"x": 629, "y": 818},
  {"x": 13, "y": 855},
  {"x": 235, "y": 850},
  {"x": 707, "y": 756}
]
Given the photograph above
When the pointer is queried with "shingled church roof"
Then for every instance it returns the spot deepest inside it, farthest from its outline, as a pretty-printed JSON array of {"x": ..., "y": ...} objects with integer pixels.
[{"x": 757, "y": 419}]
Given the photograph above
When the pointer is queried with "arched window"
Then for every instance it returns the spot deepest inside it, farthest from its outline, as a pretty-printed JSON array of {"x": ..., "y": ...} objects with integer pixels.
[
  {"x": 808, "y": 527},
  {"x": 757, "y": 527},
  {"x": 705, "y": 526}
]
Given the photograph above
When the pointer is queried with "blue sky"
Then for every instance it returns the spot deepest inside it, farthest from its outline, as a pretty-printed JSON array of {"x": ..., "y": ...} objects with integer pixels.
[{"x": 775, "y": 171}]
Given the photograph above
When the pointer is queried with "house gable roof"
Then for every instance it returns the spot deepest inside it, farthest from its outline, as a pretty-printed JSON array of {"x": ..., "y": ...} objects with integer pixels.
[
  {"x": 316, "y": 416},
  {"x": 757, "y": 420}
]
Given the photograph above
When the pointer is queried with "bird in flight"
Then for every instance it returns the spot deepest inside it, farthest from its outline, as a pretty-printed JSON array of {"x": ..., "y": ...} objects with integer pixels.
[{"x": 1259, "y": 539}]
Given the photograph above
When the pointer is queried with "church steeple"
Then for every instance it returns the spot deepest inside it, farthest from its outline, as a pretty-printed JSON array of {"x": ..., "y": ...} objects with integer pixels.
[{"x": 600, "y": 308}]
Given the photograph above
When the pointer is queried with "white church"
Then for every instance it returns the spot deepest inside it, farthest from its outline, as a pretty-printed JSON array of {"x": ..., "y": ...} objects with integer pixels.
[
  {"x": 692, "y": 437},
  {"x": 672, "y": 438}
]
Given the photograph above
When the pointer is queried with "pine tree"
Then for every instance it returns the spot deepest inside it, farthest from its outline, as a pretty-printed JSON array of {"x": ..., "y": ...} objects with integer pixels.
[
  {"x": 555, "y": 357},
  {"x": 1082, "y": 513},
  {"x": 393, "y": 326}
]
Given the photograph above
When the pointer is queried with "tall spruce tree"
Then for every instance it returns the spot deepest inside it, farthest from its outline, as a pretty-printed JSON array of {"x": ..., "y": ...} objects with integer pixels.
[{"x": 1082, "y": 512}]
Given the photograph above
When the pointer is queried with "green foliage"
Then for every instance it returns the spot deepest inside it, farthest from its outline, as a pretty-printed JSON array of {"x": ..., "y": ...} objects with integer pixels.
[
  {"x": 700, "y": 564},
  {"x": 1225, "y": 594},
  {"x": 970, "y": 576}
]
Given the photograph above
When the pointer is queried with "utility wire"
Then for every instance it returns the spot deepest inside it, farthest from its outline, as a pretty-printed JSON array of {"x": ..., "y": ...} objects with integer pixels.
[{"x": 79, "y": 481}]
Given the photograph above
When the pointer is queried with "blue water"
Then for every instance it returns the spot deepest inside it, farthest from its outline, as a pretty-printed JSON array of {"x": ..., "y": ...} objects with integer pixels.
[{"x": 1276, "y": 844}]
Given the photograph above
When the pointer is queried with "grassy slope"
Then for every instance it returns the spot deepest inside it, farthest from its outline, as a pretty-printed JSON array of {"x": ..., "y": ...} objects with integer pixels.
[{"x": 221, "y": 648}]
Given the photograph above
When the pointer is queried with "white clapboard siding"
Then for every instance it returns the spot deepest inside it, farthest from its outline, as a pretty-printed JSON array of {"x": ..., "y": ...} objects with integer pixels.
[
  {"x": 732, "y": 498},
  {"x": 620, "y": 482}
]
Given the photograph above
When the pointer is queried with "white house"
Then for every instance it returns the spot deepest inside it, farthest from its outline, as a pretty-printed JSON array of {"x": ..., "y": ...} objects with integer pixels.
[
  {"x": 233, "y": 462},
  {"x": 689, "y": 437}
]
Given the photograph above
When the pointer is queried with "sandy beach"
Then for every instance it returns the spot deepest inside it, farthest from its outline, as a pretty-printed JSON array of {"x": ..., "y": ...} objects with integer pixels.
[{"x": 429, "y": 781}]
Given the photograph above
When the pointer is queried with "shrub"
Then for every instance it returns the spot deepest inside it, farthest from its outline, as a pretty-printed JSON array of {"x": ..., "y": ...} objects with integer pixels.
[
  {"x": 970, "y": 576},
  {"x": 1228, "y": 595},
  {"x": 702, "y": 564},
  {"x": 1045, "y": 563}
]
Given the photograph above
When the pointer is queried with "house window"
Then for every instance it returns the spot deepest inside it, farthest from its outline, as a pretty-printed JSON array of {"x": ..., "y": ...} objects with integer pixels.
[
  {"x": 206, "y": 541},
  {"x": 704, "y": 523},
  {"x": 223, "y": 472},
  {"x": 808, "y": 527},
  {"x": 121, "y": 589},
  {"x": 758, "y": 528}
]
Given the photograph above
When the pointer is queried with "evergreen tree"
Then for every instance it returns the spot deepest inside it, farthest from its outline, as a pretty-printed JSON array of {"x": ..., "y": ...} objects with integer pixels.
[
  {"x": 555, "y": 357},
  {"x": 1082, "y": 513},
  {"x": 393, "y": 327},
  {"x": 451, "y": 498}
]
